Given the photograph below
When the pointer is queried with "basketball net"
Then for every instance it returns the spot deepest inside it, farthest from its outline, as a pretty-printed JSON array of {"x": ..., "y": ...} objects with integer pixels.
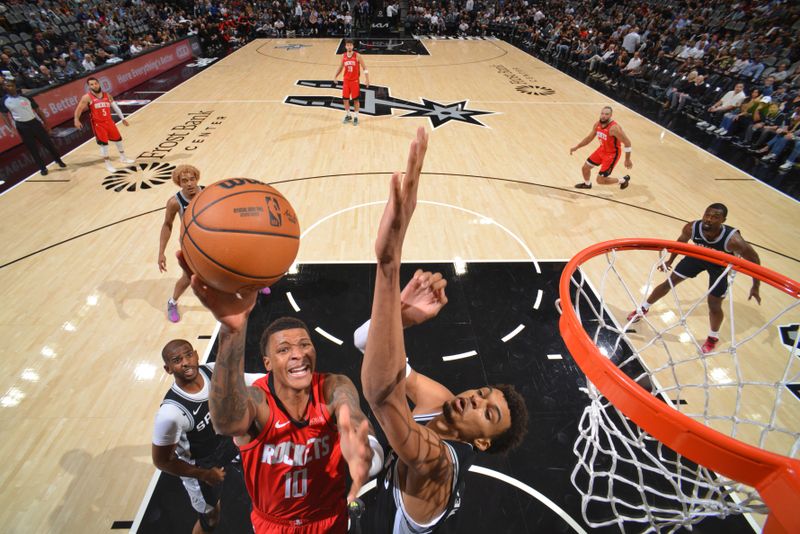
[{"x": 709, "y": 428}]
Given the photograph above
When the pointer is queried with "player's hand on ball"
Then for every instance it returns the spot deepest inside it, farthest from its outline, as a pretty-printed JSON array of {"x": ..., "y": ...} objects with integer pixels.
[
  {"x": 422, "y": 298},
  {"x": 230, "y": 309}
]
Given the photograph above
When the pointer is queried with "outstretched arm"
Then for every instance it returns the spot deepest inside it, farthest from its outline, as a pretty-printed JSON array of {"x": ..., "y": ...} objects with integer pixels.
[
  {"x": 383, "y": 368},
  {"x": 741, "y": 247},
  {"x": 585, "y": 141},
  {"x": 235, "y": 408},
  {"x": 79, "y": 109}
]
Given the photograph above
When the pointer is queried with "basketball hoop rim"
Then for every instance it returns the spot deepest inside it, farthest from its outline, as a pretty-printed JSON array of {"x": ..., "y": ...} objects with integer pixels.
[{"x": 776, "y": 477}]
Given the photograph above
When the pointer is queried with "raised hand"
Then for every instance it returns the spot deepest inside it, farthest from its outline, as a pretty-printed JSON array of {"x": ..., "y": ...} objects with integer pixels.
[
  {"x": 423, "y": 297},
  {"x": 229, "y": 309},
  {"x": 401, "y": 204},
  {"x": 355, "y": 450}
]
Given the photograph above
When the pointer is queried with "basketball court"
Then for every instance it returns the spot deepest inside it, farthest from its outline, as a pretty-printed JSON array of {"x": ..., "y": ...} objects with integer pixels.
[{"x": 84, "y": 304}]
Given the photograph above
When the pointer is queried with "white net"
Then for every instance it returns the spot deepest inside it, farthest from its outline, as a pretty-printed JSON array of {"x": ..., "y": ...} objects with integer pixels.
[{"x": 746, "y": 388}]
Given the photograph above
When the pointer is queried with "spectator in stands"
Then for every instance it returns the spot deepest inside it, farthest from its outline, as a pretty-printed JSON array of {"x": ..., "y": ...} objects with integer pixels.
[
  {"x": 781, "y": 73},
  {"x": 769, "y": 86},
  {"x": 632, "y": 41},
  {"x": 778, "y": 144},
  {"x": 792, "y": 159},
  {"x": 135, "y": 47},
  {"x": 742, "y": 117},
  {"x": 88, "y": 63},
  {"x": 729, "y": 101},
  {"x": 753, "y": 70},
  {"x": 608, "y": 57}
]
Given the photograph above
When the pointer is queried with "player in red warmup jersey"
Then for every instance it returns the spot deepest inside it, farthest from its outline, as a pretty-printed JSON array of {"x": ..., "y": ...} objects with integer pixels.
[
  {"x": 100, "y": 105},
  {"x": 607, "y": 154},
  {"x": 297, "y": 430},
  {"x": 352, "y": 64}
]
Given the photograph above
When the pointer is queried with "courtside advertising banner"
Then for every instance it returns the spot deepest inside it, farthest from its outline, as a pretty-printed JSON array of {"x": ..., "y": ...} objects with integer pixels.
[{"x": 58, "y": 104}]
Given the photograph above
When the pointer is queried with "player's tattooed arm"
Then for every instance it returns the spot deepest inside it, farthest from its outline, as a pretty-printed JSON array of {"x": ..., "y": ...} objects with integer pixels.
[
  {"x": 338, "y": 391},
  {"x": 234, "y": 406}
]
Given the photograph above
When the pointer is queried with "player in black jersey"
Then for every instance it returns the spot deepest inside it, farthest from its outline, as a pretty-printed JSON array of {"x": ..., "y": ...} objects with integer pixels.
[
  {"x": 186, "y": 177},
  {"x": 184, "y": 441},
  {"x": 421, "y": 488},
  {"x": 708, "y": 232}
]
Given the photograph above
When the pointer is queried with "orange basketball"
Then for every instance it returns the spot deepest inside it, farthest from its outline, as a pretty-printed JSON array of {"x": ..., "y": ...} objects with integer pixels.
[{"x": 239, "y": 234}]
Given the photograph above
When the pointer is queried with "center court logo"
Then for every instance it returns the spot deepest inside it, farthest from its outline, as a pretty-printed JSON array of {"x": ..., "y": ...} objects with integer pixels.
[
  {"x": 377, "y": 101},
  {"x": 141, "y": 176},
  {"x": 293, "y": 46}
]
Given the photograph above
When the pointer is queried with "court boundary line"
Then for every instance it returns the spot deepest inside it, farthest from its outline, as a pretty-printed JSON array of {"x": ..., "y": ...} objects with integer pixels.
[
  {"x": 387, "y": 173},
  {"x": 663, "y": 128}
]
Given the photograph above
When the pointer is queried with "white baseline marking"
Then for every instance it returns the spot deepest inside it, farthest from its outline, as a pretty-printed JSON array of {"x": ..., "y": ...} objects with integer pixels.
[
  {"x": 432, "y": 203},
  {"x": 151, "y": 92},
  {"x": 538, "y": 299},
  {"x": 292, "y": 302},
  {"x": 511, "y": 481},
  {"x": 220, "y": 102},
  {"x": 530, "y": 491},
  {"x": 513, "y": 333},
  {"x": 328, "y": 336},
  {"x": 459, "y": 356}
]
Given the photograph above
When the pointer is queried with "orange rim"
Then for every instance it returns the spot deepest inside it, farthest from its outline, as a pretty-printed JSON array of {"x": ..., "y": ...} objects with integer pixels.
[{"x": 776, "y": 477}]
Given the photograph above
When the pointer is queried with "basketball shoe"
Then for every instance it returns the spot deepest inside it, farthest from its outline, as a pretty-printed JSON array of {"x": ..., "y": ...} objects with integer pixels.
[
  {"x": 626, "y": 180},
  {"x": 583, "y": 185},
  {"x": 636, "y": 315},
  {"x": 172, "y": 311},
  {"x": 347, "y": 118},
  {"x": 709, "y": 345},
  {"x": 355, "y": 121}
]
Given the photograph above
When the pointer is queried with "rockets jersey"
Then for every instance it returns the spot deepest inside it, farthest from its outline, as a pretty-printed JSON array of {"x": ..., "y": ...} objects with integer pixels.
[
  {"x": 199, "y": 444},
  {"x": 352, "y": 69},
  {"x": 720, "y": 243},
  {"x": 100, "y": 108},
  {"x": 608, "y": 142},
  {"x": 295, "y": 470}
]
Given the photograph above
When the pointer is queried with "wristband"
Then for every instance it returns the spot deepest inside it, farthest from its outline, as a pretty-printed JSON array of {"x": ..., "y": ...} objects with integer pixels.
[
  {"x": 408, "y": 369},
  {"x": 366, "y": 71},
  {"x": 627, "y": 149}
]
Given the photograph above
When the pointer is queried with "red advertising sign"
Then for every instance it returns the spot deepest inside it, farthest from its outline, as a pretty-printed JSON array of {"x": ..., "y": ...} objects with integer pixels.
[{"x": 58, "y": 104}]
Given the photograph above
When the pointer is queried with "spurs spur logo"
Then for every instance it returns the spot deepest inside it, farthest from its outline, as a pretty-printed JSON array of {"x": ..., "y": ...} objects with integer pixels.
[
  {"x": 138, "y": 177},
  {"x": 377, "y": 101}
]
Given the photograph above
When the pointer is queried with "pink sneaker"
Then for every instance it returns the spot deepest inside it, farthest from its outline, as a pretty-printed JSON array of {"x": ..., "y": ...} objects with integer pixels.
[
  {"x": 265, "y": 291},
  {"x": 709, "y": 345},
  {"x": 172, "y": 312},
  {"x": 637, "y": 315}
]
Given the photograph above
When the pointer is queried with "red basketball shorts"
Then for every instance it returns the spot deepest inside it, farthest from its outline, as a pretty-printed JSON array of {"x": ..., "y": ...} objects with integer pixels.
[
  {"x": 335, "y": 524},
  {"x": 605, "y": 160},
  {"x": 350, "y": 89},
  {"x": 106, "y": 131}
]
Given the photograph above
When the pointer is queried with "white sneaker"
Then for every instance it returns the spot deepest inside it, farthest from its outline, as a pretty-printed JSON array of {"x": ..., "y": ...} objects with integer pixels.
[
  {"x": 711, "y": 128},
  {"x": 702, "y": 124},
  {"x": 125, "y": 159},
  {"x": 719, "y": 130},
  {"x": 723, "y": 132},
  {"x": 109, "y": 166},
  {"x": 769, "y": 157},
  {"x": 786, "y": 166}
]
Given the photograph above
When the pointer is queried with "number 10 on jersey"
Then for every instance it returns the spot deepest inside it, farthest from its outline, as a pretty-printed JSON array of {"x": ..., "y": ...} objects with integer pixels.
[{"x": 296, "y": 483}]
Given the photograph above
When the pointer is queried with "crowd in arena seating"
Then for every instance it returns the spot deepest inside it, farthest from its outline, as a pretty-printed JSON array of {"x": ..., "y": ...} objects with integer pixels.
[{"x": 731, "y": 67}]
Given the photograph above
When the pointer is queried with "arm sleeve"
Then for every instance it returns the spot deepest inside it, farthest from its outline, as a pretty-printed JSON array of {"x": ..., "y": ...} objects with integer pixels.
[
  {"x": 168, "y": 426},
  {"x": 117, "y": 110},
  {"x": 34, "y": 105},
  {"x": 360, "y": 337}
]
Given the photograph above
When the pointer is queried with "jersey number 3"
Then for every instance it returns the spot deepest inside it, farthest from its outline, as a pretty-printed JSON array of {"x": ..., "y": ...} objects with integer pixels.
[{"x": 296, "y": 484}]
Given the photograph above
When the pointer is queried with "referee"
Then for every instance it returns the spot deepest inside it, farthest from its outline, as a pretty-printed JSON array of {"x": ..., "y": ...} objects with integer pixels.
[{"x": 31, "y": 128}]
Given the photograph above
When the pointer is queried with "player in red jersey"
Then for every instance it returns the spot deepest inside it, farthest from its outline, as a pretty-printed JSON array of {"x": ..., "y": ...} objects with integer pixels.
[
  {"x": 352, "y": 64},
  {"x": 297, "y": 430},
  {"x": 100, "y": 105},
  {"x": 607, "y": 154}
]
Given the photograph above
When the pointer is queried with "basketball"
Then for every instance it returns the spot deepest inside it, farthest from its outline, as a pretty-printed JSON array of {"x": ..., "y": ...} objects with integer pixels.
[{"x": 239, "y": 234}]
